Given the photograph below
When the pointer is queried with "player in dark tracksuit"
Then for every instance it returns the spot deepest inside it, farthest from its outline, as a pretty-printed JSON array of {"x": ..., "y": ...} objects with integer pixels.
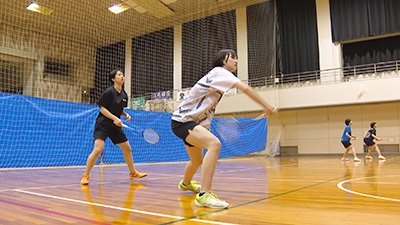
[{"x": 369, "y": 138}]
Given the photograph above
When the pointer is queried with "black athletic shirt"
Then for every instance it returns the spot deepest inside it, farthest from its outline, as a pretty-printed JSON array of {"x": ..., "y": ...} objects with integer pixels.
[
  {"x": 114, "y": 101},
  {"x": 368, "y": 134}
]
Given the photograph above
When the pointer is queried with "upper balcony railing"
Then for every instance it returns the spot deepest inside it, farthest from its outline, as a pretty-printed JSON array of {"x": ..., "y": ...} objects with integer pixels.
[{"x": 329, "y": 76}]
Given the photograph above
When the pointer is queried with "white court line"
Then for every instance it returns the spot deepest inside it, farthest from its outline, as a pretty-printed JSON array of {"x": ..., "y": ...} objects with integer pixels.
[
  {"x": 83, "y": 167},
  {"x": 340, "y": 186},
  {"x": 160, "y": 176},
  {"x": 93, "y": 183},
  {"x": 120, "y": 208}
]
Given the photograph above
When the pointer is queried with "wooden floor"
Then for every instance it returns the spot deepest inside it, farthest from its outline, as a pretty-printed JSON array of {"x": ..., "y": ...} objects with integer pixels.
[{"x": 260, "y": 190}]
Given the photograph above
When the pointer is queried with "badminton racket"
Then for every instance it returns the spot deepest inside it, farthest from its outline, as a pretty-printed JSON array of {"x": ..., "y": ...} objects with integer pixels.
[
  {"x": 262, "y": 116},
  {"x": 148, "y": 134},
  {"x": 265, "y": 114}
]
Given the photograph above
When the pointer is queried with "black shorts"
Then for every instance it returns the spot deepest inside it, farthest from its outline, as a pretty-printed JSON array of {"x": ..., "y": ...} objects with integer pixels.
[
  {"x": 116, "y": 134},
  {"x": 346, "y": 144},
  {"x": 368, "y": 142},
  {"x": 182, "y": 129}
]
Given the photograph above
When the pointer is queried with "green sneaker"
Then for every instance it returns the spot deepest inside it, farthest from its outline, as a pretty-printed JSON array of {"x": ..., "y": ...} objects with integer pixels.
[
  {"x": 210, "y": 200},
  {"x": 193, "y": 186}
]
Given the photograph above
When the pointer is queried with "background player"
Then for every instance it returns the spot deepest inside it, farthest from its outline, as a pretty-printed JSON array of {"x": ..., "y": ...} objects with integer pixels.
[
  {"x": 369, "y": 138},
  {"x": 346, "y": 137}
]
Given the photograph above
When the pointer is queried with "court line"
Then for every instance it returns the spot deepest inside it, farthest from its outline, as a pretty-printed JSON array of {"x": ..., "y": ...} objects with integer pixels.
[
  {"x": 93, "y": 183},
  {"x": 340, "y": 186},
  {"x": 117, "y": 165},
  {"x": 52, "y": 212},
  {"x": 175, "y": 217},
  {"x": 257, "y": 200},
  {"x": 84, "y": 166},
  {"x": 121, "y": 208}
]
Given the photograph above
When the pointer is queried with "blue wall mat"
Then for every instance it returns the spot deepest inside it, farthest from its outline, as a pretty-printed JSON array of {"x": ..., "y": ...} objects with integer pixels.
[{"x": 36, "y": 132}]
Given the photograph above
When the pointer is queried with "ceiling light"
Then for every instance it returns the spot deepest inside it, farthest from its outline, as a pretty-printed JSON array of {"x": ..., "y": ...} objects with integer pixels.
[
  {"x": 156, "y": 8},
  {"x": 119, "y": 8},
  {"x": 33, "y": 6}
]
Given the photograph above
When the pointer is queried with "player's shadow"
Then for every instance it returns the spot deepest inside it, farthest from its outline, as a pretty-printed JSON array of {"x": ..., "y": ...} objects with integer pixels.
[
  {"x": 372, "y": 172},
  {"x": 97, "y": 211}
]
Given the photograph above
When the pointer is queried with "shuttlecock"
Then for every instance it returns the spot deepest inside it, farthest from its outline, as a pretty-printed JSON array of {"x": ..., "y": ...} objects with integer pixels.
[{"x": 363, "y": 90}]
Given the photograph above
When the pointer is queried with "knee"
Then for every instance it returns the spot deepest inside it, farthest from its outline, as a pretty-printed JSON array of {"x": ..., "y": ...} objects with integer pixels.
[
  {"x": 215, "y": 145},
  {"x": 127, "y": 151},
  {"x": 197, "y": 163},
  {"x": 97, "y": 151},
  {"x": 125, "y": 147}
]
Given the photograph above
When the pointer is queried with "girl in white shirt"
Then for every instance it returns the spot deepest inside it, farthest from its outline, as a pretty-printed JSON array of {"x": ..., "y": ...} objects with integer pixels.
[{"x": 194, "y": 115}]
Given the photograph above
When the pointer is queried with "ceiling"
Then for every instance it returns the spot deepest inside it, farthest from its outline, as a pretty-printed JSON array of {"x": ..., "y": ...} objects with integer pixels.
[{"x": 91, "y": 22}]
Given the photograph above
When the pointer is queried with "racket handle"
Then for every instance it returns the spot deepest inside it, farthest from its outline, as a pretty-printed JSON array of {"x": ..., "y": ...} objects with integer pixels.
[
  {"x": 130, "y": 128},
  {"x": 265, "y": 114},
  {"x": 261, "y": 116}
]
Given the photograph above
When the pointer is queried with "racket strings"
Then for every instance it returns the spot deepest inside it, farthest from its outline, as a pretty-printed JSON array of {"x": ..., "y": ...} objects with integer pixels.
[{"x": 151, "y": 135}]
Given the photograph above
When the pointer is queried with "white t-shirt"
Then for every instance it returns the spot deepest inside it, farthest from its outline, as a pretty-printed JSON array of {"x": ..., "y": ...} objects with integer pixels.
[{"x": 199, "y": 105}]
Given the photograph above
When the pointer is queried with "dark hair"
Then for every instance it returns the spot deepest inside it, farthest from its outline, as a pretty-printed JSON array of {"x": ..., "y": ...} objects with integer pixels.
[
  {"x": 112, "y": 75},
  {"x": 222, "y": 56},
  {"x": 347, "y": 121},
  {"x": 372, "y": 124}
]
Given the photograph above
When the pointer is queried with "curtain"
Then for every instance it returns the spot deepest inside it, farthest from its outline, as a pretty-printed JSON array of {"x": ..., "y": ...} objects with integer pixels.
[
  {"x": 373, "y": 51},
  {"x": 108, "y": 58},
  {"x": 261, "y": 42},
  {"x": 201, "y": 40},
  {"x": 298, "y": 38},
  {"x": 363, "y": 18},
  {"x": 152, "y": 62},
  {"x": 384, "y": 16}
]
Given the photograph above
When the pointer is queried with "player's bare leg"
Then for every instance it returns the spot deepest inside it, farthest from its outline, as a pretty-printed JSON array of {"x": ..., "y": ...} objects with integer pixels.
[
  {"x": 126, "y": 148},
  {"x": 380, "y": 156},
  {"x": 202, "y": 138},
  {"x": 91, "y": 160}
]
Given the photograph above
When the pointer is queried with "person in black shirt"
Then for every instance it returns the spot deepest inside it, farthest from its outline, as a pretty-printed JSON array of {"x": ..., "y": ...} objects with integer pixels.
[
  {"x": 108, "y": 124},
  {"x": 369, "y": 138}
]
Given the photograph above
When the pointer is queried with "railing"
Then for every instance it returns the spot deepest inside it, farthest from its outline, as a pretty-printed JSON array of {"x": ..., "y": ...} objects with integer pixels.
[
  {"x": 312, "y": 78},
  {"x": 329, "y": 76}
]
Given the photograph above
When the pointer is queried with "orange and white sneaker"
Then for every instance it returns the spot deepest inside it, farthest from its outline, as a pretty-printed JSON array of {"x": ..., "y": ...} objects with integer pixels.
[
  {"x": 381, "y": 157},
  {"x": 85, "y": 179},
  {"x": 136, "y": 175}
]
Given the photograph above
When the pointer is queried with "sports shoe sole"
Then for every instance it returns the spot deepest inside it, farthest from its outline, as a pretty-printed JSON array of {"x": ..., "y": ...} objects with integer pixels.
[{"x": 213, "y": 207}]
